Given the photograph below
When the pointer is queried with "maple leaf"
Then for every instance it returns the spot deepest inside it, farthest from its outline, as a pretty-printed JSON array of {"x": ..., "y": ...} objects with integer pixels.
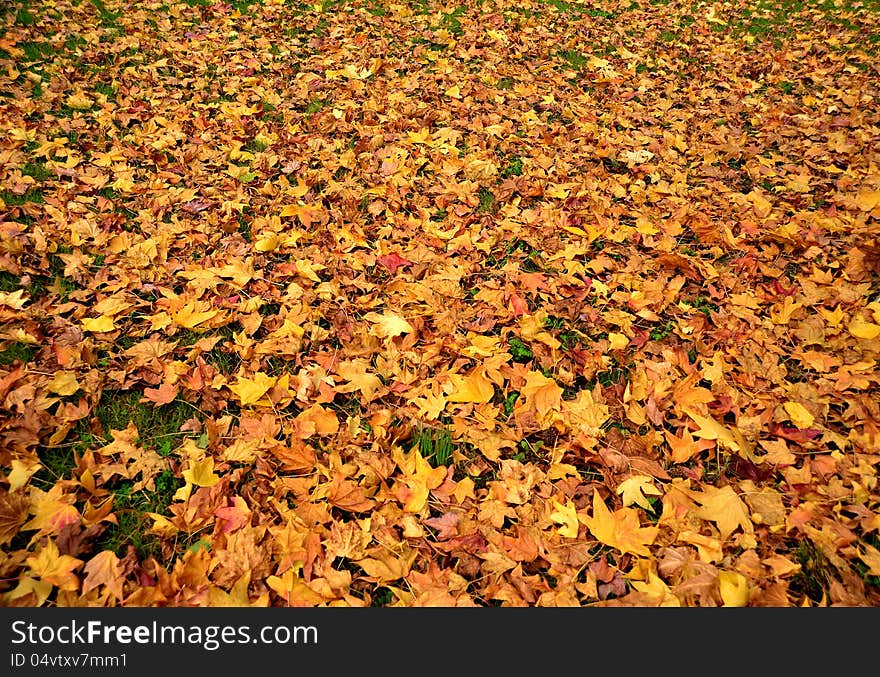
[
  {"x": 620, "y": 529},
  {"x": 164, "y": 394},
  {"x": 252, "y": 390},
  {"x": 348, "y": 495},
  {"x": 711, "y": 429},
  {"x": 359, "y": 377},
  {"x": 52, "y": 510},
  {"x": 50, "y": 566},
  {"x": 388, "y": 325},
  {"x": 474, "y": 388},
  {"x": 725, "y": 508},
  {"x": 393, "y": 261},
  {"x": 636, "y": 489},
  {"x": 446, "y": 525},
  {"x": 13, "y": 513},
  {"x": 566, "y": 515},
  {"x": 798, "y": 414},
  {"x": 64, "y": 383},
  {"x": 733, "y": 588},
  {"x": 105, "y": 568},
  {"x": 542, "y": 394},
  {"x": 200, "y": 474},
  {"x": 234, "y": 516}
]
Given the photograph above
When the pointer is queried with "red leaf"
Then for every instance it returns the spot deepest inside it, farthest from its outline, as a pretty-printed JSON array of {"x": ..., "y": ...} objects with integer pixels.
[{"x": 393, "y": 261}]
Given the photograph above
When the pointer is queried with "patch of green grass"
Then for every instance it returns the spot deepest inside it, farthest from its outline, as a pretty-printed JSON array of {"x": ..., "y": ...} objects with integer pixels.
[
  {"x": 510, "y": 401},
  {"x": 23, "y": 17},
  {"x": 513, "y": 168},
  {"x": 37, "y": 170},
  {"x": 132, "y": 514},
  {"x": 615, "y": 374},
  {"x": 703, "y": 304},
  {"x": 158, "y": 426},
  {"x": 34, "y": 195},
  {"x": 255, "y": 146},
  {"x": 661, "y": 332},
  {"x": 36, "y": 51},
  {"x": 786, "y": 87},
  {"x": 434, "y": 444},
  {"x": 9, "y": 282},
  {"x": 24, "y": 352},
  {"x": 574, "y": 58},
  {"x": 519, "y": 350},
  {"x": 451, "y": 22},
  {"x": 813, "y": 578},
  {"x": 315, "y": 105},
  {"x": 487, "y": 201},
  {"x": 381, "y": 597}
]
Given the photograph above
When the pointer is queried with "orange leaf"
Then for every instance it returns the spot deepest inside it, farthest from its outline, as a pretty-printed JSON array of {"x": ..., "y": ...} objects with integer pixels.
[
  {"x": 348, "y": 495},
  {"x": 104, "y": 568},
  {"x": 164, "y": 394}
]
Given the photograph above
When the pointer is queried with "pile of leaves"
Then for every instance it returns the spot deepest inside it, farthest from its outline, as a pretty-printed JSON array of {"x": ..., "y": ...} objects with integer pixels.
[{"x": 405, "y": 303}]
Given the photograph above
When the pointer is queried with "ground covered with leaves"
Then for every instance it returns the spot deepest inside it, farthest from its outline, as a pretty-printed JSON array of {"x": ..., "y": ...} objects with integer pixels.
[{"x": 491, "y": 303}]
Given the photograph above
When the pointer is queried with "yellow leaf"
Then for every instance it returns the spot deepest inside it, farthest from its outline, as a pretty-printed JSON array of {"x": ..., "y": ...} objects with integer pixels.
[
  {"x": 585, "y": 414},
  {"x": 542, "y": 394},
  {"x": 359, "y": 378},
  {"x": 193, "y": 314},
  {"x": 64, "y": 383},
  {"x": 566, "y": 515},
  {"x": 760, "y": 204},
  {"x": 454, "y": 92},
  {"x": 868, "y": 200},
  {"x": 201, "y": 473},
  {"x": 13, "y": 299},
  {"x": 617, "y": 340},
  {"x": 656, "y": 588},
  {"x": 870, "y": 556},
  {"x": 267, "y": 243},
  {"x": 863, "y": 329},
  {"x": 51, "y": 566},
  {"x": 98, "y": 325},
  {"x": 725, "y": 508},
  {"x": 710, "y": 429},
  {"x": 798, "y": 414},
  {"x": 388, "y": 325},
  {"x": 620, "y": 529},
  {"x": 734, "y": 588},
  {"x": 475, "y": 388},
  {"x": 636, "y": 489},
  {"x": 251, "y": 390},
  {"x": 79, "y": 101},
  {"x": 21, "y": 472}
]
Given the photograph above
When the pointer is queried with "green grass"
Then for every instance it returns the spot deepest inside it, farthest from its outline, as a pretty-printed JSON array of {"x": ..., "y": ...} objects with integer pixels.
[
  {"x": 434, "y": 444},
  {"x": 23, "y": 352},
  {"x": 813, "y": 578},
  {"x": 519, "y": 350},
  {"x": 34, "y": 195},
  {"x": 487, "y": 201},
  {"x": 37, "y": 170},
  {"x": 315, "y": 105},
  {"x": 662, "y": 331},
  {"x": 513, "y": 168},
  {"x": 574, "y": 58},
  {"x": 158, "y": 426},
  {"x": 132, "y": 514}
]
